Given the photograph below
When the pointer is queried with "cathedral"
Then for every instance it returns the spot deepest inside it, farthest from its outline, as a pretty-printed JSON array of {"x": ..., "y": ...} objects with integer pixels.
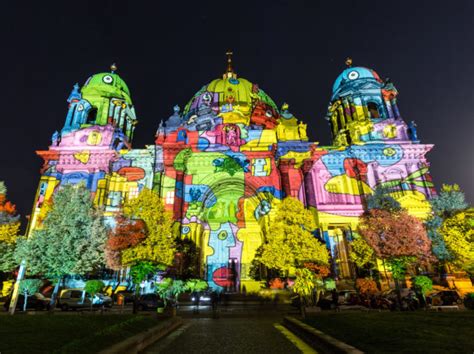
[{"x": 223, "y": 163}]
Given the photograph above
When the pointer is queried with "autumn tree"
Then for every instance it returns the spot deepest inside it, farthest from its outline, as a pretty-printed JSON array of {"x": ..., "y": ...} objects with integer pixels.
[
  {"x": 127, "y": 233},
  {"x": 9, "y": 229},
  {"x": 72, "y": 239},
  {"x": 290, "y": 242},
  {"x": 397, "y": 238}
]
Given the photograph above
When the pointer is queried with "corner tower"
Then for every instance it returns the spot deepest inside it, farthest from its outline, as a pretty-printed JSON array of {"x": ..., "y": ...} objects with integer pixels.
[
  {"x": 104, "y": 99},
  {"x": 363, "y": 109}
]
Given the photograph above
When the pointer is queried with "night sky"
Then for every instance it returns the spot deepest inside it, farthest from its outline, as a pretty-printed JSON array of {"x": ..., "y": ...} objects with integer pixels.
[{"x": 294, "y": 50}]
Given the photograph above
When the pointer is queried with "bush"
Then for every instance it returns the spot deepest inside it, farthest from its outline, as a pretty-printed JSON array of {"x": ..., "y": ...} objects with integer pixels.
[
  {"x": 422, "y": 284},
  {"x": 469, "y": 301},
  {"x": 94, "y": 286},
  {"x": 366, "y": 286}
]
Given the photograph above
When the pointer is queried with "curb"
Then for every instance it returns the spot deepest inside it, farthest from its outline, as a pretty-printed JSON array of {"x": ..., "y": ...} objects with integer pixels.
[
  {"x": 320, "y": 340},
  {"x": 140, "y": 341}
]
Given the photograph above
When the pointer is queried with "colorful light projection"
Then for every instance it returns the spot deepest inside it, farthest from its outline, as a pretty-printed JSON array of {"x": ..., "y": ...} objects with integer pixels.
[{"x": 223, "y": 164}]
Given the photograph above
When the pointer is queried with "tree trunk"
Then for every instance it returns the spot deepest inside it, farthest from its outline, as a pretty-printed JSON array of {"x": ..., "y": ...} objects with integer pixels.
[
  {"x": 25, "y": 301},
  {"x": 302, "y": 308},
  {"x": 399, "y": 294},
  {"x": 135, "y": 299}
]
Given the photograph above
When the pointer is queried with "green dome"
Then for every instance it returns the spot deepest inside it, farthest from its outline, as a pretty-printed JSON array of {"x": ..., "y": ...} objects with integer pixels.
[{"x": 106, "y": 85}]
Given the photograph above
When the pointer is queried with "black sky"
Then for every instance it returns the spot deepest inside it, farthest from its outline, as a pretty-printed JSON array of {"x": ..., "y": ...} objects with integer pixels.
[{"x": 167, "y": 50}]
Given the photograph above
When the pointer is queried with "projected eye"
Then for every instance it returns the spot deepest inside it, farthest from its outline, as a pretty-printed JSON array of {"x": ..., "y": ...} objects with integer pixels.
[
  {"x": 268, "y": 113},
  {"x": 80, "y": 108},
  {"x": 107, "y": 79},
  {"x": 222, "y": 235},
  {"x": 353, "y": 75}
]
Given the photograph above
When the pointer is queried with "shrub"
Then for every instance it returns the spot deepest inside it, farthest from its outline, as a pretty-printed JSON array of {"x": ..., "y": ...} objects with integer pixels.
[
  {"x": 366, "y": 286},
  {"x": 422, "y": 284}
]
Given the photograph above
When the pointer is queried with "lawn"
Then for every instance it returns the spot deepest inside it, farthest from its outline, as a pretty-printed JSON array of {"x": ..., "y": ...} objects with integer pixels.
[
  {"x": 401, "y": 332},
  {"x": 72, "y": 333}
]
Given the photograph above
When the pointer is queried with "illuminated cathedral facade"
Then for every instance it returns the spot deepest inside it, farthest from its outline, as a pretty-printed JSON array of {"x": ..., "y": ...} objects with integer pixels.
[{"x": 224, "y": 162}]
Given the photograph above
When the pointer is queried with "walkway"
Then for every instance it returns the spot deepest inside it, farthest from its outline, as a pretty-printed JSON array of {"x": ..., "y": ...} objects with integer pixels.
[{"x": 228, "y": 335}]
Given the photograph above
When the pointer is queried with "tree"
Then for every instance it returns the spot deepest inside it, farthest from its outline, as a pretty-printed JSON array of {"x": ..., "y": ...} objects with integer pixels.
[
  {"x": 29, "y": 287},
  {"x": 139, "y": 273},
  {"x": 362, "y": 254},
  {"x": 422, "y": 284},
  {"x": 458, "y": 233},
  {"x": 9, "y": 229},
  {"x": 449, "y": 201},
  {"x": 158, "y": 246},
  {"x": 93, "y": 287},
  {"x": 127, "y": 233},
  {"x": 449, "y": 228},
  {"x": 290, "y": 242},
  {"x": 397, "y": 238},
  {"x": 381, "y": 200},
  {"x": 71, "y": 241}
]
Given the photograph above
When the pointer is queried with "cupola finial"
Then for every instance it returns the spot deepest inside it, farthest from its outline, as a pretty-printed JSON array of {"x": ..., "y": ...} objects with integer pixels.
[
  {"x": 230, "y": 70},
  {"x": 349, "y": 61},
  {"x": 113, "y": 68}
]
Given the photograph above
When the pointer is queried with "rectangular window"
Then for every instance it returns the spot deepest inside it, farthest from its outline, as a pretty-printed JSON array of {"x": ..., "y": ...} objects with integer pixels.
[{"x": 170, "y": 197}]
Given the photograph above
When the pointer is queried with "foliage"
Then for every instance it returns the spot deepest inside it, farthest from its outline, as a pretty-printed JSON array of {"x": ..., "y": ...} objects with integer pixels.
[
  {"x": 159, "y": 246},
  {"x": 329, "y": 284},
  {"x": 289, "y": 242},
  {"x": 8, "y": 260},
  {"x": 450, "y": 200},
  {"x": 94, "y": 286},
  {"x": 362, "y": 254},
  {"x": 458, "y": 233},
  {"x": 30, "y": 286},
  {"x": 381, "y": 200},
  {"x": 196, "y": 285},
  {"x": 399, "y": 265},
  {"x": 72, "y": 239},
  {"x": 187, "y": 258},
  {"x": 140, "y": 271},
  {"x": 422, "y": 284},
  {"x": 305, "y": 282},
  {"x": 9, "y": 230},
  {"x": 395, "y": 235},
  {"x": 127, "y": 233},
  {"x": 169, "y": 289},
  {"x": 366, "y": 286},
  {"x": 277, "y": 283},
  {"x": 320, "y": 271},
  {"x": 438, "y": 245}
]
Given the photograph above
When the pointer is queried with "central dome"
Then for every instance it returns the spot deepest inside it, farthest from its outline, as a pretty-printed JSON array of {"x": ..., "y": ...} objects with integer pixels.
[{"x": 229, "y": 94}]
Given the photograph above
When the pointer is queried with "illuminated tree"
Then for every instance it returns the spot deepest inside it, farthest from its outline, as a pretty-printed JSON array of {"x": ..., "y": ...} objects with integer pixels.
[
  {"x": 127, "y": 233},
  {"x": 381, "y": 200},
  {"x": 93, "y": 287},
  {"x": 397, "y": 238},
  {"x": 158, "y": 246},
  {"x": 450, "y": 228},
  {"x": 72, "y": 239},
  {"x": 9, "y": 229},
  {"x": 362, "y": 254},
  {"x": 29, "y": 287},
  {"x": 458, "y": 233},
  {"x": 290, "y": 242},
  {"x": 449, "y": 201}
]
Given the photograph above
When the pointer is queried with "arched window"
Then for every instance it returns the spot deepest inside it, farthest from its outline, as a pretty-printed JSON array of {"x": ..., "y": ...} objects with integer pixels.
[
  {"x": 91, "y": 115},
  {"x": 373, "y": 110}
]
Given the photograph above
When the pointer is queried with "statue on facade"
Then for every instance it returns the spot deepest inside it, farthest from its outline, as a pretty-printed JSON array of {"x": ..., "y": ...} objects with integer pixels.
[{"x": 412, "y": 131}]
